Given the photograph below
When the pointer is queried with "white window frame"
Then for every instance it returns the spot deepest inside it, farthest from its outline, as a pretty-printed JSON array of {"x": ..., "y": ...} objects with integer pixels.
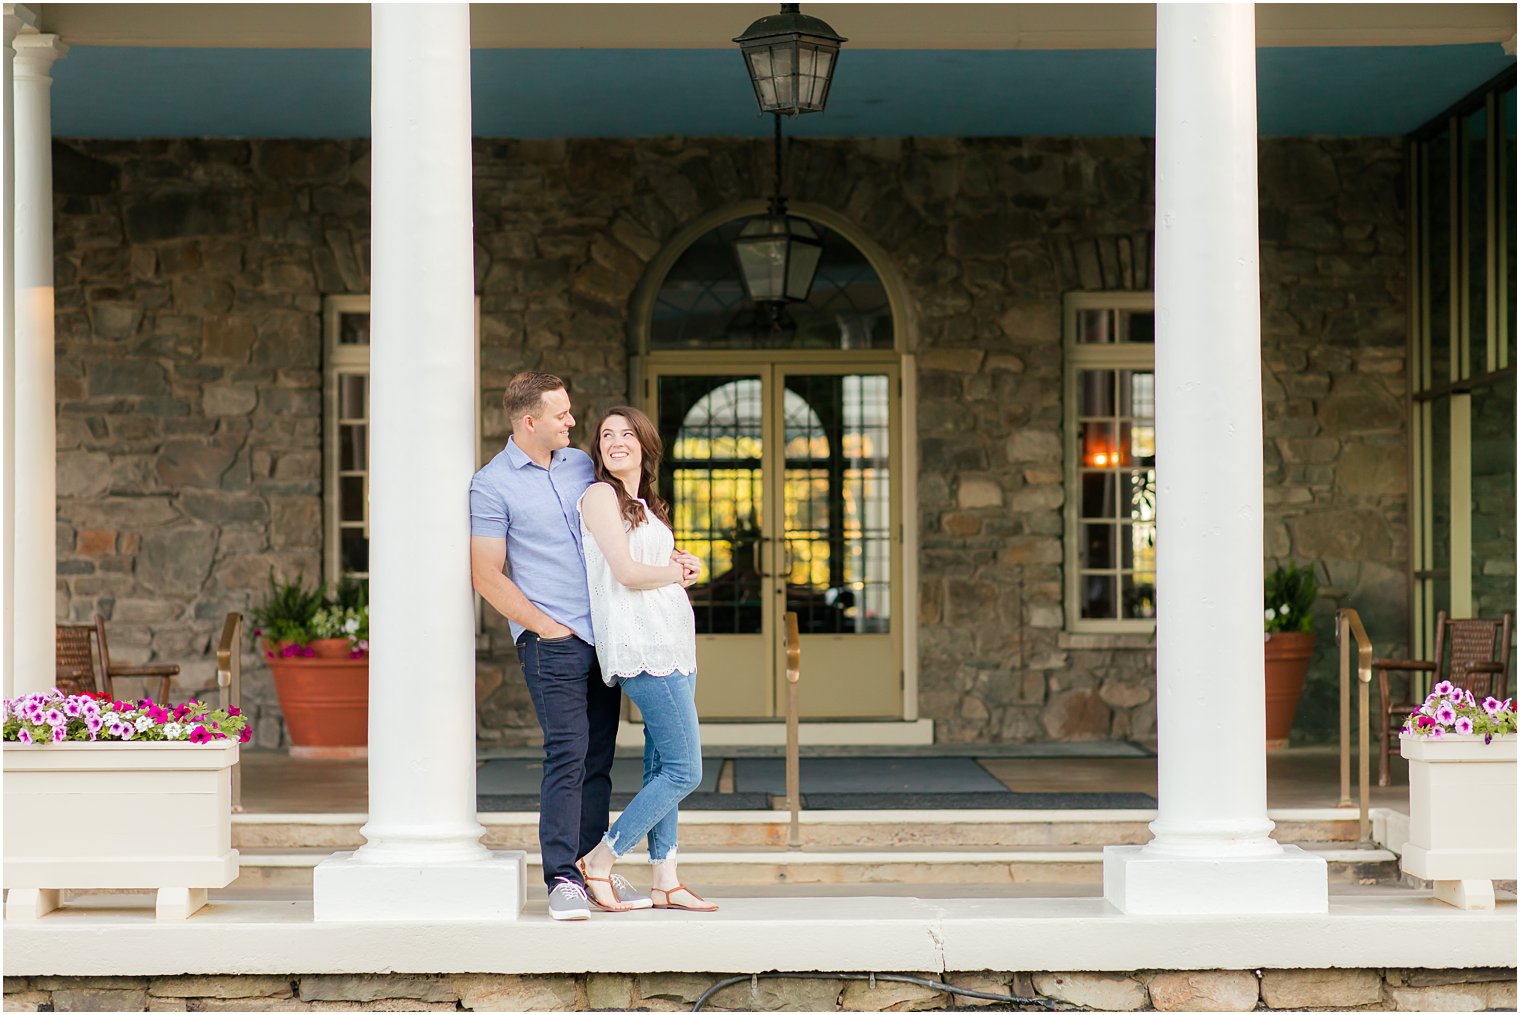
[
  {"x": 1076, "y": 358},
  {"x": 339, "y": 359}
]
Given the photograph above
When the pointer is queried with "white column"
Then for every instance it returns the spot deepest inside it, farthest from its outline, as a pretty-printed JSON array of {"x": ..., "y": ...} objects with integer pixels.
[
  {"x": 1212, "y": 851},
  {"x": 16, "y": 17},
  {"x": 34, "y": 595},
  {"x": 423, "y": 858}
]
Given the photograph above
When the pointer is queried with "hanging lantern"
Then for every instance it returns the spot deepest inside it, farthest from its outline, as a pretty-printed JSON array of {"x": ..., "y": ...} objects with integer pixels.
[
  {"x": 778, "y": 257},
  {"x": 791, "y": 58}
]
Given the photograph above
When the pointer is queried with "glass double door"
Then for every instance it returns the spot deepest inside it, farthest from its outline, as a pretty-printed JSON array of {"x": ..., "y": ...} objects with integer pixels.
[{"x": 780, "y": 478}]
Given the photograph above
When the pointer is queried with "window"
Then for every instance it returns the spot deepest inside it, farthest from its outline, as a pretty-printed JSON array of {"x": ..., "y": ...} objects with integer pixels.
[
  {"x": 1110, "y": 453},
  {"x": 345, "y": 436},
  {"x": 1462, "y": 355}
]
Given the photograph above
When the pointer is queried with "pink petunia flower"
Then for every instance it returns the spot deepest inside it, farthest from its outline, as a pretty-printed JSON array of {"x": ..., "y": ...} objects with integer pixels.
[
  {"x": 234, "y": 710},
  {"x": 1463, "y": 725},
  {"x": 199, "y": 735},
  {"x": 1442, "y": 689},
  {"x": 25, "y": 736},
  {"x": 246, "y": 735},
  {"x": 1425, "y": 721},
  {"x": 72, "y": 708},
  {"x": 54, "y": 717},
  {"x": 1491, "y": 705},
  {"x": 59, "y": 734},
  {"x": 1446, "y": 715},
  {"x": 1437, "y": 732}
]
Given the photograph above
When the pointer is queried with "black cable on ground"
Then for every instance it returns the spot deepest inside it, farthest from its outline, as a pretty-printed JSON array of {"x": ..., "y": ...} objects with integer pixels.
[{"x": 949, "y": 988}]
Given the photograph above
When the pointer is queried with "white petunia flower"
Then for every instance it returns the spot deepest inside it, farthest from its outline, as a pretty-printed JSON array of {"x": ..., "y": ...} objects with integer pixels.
[{"x": 172, "y": 730}]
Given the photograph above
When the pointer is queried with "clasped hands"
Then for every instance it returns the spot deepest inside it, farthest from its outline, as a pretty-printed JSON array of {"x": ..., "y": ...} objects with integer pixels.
[{"x": 691, "y": 567}]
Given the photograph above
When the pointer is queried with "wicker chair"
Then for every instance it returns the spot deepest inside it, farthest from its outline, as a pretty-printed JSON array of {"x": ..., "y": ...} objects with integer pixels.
[
  {"x": 1475, "y": 655},
  {"x": 84, "y": 662}
]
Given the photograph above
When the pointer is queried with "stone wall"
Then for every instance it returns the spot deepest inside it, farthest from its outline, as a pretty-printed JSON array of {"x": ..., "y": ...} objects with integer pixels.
[
  {"x": 190, "y": 276},
  {"x": 1184, "y": 990}
]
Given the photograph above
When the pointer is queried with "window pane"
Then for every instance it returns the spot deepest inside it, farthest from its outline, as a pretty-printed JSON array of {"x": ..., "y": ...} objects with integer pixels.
[
  {"x": 1142, "y": 495},
  {"x": 712, "y": 481},
  {"x": 1095, "y": 393},
  {"x": 1438, "y": 254},
  {"x": 353, "y": 448},
  {"x": 1099, "y": 543},
  {"x": 1099, "y": 597},
  {"x": 1099, "y": 494},
  {"x": 353, "y": 391},
  {"x": 1099, "y": 446},
  {"x": 1475, "y": 200},
  {"x": 1440, "y": 487},
  {"x": 1095, "y": 327},
  {"x": 353, "y": 329},
  {"x": 354, "y": 551},
  {"x": 351, "y": 498},
  {"x": 703, "y": 304},
  {"x": 1493, "y": 495},
  {"x": 1137, "y": 326},
  {"x": 1137, "y": 394},
  {"x": 1139, "y": 596},
  {"x": 1507, "y": 219}
]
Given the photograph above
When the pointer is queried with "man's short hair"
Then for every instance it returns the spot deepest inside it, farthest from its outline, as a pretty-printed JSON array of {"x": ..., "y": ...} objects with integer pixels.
[{"x": 525, "y": 394}]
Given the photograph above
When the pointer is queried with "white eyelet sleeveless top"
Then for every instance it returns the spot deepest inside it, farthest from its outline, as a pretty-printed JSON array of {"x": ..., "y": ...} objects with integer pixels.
[{"x": 639, "y": 630}]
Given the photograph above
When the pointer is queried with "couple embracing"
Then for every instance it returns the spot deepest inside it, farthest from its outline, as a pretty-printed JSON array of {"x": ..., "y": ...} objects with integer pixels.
[{"x": 597, "y": 605}]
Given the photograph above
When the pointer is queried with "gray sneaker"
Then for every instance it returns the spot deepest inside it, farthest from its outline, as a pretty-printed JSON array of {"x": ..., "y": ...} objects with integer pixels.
[
  {"x": 630, "y": 894},
  {"x": 567, "y": 901}
]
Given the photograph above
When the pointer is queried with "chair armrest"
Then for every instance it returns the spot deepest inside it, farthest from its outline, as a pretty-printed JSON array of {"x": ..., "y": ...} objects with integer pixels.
[
  {"x": 1407, "y": 665},
  {"x": 1489, "y": 667},
  {"x": 167, "y": 670}
]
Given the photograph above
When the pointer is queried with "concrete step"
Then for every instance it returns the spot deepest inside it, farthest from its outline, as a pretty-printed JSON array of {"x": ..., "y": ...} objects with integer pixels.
[
  {"x": 870, "y": 830},
  {"x": 736, "y": 867}
]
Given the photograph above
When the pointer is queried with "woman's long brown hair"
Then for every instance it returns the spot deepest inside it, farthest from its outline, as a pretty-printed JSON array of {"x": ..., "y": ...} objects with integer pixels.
[{"x": 652, "y": 450}]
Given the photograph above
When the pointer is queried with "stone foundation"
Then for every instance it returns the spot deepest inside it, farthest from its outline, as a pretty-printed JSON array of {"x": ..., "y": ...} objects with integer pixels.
[{"x": 1158, "y": 990}]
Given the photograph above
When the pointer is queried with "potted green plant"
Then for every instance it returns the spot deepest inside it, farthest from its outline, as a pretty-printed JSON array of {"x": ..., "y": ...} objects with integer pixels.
[
  {"x": 163, "y": 774},
  {"x": 317, "y": 647},
  {"x": 1461, "y": 755},
  {"x": 1289, "y": 622}
]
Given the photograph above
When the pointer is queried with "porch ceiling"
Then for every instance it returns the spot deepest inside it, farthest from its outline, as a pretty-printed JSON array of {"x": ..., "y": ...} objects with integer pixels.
[{"x": 131, "y": 91}]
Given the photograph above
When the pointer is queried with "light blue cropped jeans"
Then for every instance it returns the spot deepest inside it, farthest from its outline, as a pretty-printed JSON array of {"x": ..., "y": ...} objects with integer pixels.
[{"x": 672, "y": 763}]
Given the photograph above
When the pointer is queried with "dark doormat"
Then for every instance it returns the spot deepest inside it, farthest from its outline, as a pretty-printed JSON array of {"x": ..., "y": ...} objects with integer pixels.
[
  {"x": 996, "y": 801},
  {"x": 868, "y": 776},
  {"x": 698, "y": 801}
]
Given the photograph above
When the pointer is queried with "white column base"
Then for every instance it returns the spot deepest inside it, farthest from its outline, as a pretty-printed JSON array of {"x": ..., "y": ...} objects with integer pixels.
[
  {"x": 1141, "y": 883},
  {"x": 493, "y": 888},
  {"x": 1470, "y": 894}
]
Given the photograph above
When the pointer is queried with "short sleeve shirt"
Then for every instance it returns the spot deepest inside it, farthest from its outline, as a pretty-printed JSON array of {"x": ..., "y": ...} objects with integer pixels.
[{"x": 535, "y": 510}]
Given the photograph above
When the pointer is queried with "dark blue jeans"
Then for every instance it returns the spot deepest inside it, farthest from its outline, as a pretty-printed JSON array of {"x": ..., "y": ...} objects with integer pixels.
[{"x": 579, "y": 716}]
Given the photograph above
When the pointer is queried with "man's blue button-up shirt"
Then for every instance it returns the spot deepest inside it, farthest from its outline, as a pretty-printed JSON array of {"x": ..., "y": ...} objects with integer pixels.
[{"x": 536, "y": 510}]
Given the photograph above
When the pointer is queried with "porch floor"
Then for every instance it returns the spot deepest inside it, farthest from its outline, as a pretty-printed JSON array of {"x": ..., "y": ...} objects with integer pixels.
[{"x": 1297, "y": 777}]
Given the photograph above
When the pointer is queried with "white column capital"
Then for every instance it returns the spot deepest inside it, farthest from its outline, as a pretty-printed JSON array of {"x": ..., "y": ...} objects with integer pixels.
[
  {"x": 36, "y": 54},
  {"x": 18, "y": 18}
]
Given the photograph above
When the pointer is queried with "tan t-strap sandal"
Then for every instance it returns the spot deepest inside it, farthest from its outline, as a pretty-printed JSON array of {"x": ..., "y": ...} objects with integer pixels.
[
  {"x": 591, "y": 895},
  {"x": 705, "y": 907}
]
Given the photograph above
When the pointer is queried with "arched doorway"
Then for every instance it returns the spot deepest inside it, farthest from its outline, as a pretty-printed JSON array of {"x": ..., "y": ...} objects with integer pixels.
[{"x": 785, "y": 471}]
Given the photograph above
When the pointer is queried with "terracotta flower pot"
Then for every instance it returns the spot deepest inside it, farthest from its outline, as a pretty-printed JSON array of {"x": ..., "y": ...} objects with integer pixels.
[
  {"x": 331, "y": 648},
  {"x": 1288, "y": 654},
  {"x": 325, "y": 702}
]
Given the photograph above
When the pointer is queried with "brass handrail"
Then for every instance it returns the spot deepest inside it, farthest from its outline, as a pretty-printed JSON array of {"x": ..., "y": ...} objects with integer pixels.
[
  {"x": 229, "y": 682},
  {"x": 793, "y": 759},
  {"x": 1348, "y": 626}
]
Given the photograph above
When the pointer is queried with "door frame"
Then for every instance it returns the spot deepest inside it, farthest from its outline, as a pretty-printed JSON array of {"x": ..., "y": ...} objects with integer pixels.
[{"x": 905, "y": 342}]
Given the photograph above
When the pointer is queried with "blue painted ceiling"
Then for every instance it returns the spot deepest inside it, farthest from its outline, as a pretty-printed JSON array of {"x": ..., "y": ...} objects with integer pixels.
[{"x": 130, "y": 92}]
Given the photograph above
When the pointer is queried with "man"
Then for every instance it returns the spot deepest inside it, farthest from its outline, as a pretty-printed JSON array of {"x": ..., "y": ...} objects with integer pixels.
[{"x": 523, "y": 509}]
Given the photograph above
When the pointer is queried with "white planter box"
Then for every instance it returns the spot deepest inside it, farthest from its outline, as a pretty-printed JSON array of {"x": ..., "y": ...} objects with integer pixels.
[
  {"x": 1461, "y": 815},
  {"x": 118, "y": 815}
]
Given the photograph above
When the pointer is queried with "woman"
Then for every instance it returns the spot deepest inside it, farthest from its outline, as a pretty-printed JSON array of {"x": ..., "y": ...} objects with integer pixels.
[{"x": 646, "y": 642}]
